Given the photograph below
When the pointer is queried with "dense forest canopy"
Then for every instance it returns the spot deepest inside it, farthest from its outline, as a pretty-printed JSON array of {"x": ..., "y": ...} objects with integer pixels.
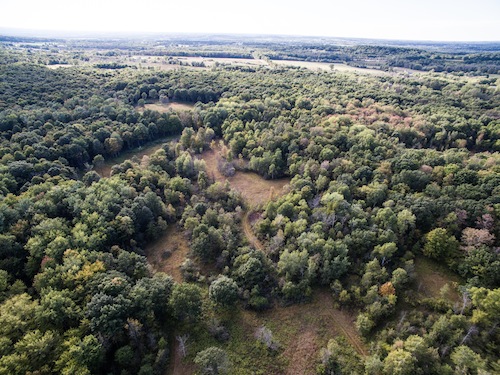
[{"x": 391, "y": 180}]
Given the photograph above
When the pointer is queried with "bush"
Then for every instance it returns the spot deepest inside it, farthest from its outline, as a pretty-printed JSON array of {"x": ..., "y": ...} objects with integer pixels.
[{"x": 212, "y": 361}]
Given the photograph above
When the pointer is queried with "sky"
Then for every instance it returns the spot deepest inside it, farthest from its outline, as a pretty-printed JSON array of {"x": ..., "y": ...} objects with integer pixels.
[{"x": 437, "y": 20}]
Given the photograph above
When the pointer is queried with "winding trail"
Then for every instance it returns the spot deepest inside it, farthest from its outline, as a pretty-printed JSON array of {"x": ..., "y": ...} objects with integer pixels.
[
  {"x": 247, "y": 229},
  {"x": 343, "y": 322},
  {"x": 176, "y": 365}
]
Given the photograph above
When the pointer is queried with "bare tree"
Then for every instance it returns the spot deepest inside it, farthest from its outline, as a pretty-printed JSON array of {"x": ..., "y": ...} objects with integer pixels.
[
  {"x": 465, "y": 300},
  {"x": 471, "y": 331},
  {"x": 265, "y": 336},
  {"x": 182, "y": 340}
]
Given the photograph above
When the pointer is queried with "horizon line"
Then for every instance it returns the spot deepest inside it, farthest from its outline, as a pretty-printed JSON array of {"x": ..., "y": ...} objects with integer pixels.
[{"x": 82, "y": 34}]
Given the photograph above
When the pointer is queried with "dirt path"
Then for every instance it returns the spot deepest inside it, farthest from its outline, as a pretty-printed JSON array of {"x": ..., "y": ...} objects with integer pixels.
[
  {"x": 344, "y": 323},
  {"x": 176, "y": 366},
  {"x": 247, "y": 229},
  {"x": 302, "y": 353}
]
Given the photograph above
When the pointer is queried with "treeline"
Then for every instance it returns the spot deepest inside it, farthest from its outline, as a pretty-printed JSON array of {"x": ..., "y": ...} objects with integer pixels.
[
  {"x": 385, "y": 57},
  {"x": 457, "y": 58}
]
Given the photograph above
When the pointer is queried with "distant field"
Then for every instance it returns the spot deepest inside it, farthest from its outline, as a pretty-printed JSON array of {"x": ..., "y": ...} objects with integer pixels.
[
  {"x": 56, "y": 66},
  {"x": 327, "y": 67},
  {"x": 233, "y": 61},
  {"x": 163, "y": 108}
]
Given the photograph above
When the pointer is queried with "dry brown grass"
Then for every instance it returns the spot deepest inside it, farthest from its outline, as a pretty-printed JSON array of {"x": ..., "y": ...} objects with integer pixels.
[
  {"x": 254, "y": 189},
  {"x": 167, "y": 107},
  {"x": 174, "y": 241},
  {"x": 303, "y": 329}
]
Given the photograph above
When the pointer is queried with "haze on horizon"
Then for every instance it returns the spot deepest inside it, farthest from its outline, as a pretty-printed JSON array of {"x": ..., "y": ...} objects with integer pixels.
[{"x": 435, "y": 20}]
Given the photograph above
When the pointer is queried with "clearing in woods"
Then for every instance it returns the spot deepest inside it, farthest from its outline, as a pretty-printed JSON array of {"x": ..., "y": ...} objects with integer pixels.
[
  {"x": 433, "y": 277},
  {"x": 168, "y": 252},
  {"x": 254, "y": 189},
  {"x": 104, "y": 170},
  {"x": 306, "y": 328},
  {"x": 167, "y": 107},
  {"x": 301, "y": 330},
  {"x": 311, "y": 65}
]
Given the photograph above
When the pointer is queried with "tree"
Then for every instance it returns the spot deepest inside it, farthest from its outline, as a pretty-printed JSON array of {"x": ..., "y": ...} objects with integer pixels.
[
  {"x": 487, "y": 305},
  {"x": 223, "y": 291},
  {"x": 399, "y": 278},
  {"x": 266, "y": 338},
  {"x": 364, "y": 324},
  {"x": 17, "y": 315},
  {"x": 37, "y": 349},
  {"x": 440, "y": 245},
  {"x": 339, "y": 358},
  {"x": 212, "y": 361},
  {"x": 385, "y": 251},
  {"x": 293, "y": 265},
  {"x": 182, "y": 340},
  {"x": 108, "y": 314},
  {"x": 405, "y": 222},
  {"x": 186, "y": 301},
  {"x": 399, "y": 362},
  {"x": 472, "y": 237},
  {"x": 151, "y": 295},
  {"x": 466, "y": 361},
  {"x": 58, "y": 309},
  {"x": 80, "y": 356},
  {"x": 335, "y": 261}
]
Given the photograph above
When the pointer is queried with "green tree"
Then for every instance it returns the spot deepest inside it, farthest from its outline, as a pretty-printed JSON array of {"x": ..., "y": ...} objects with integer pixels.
[
  {"x": 186, "y": 301},
  {"x": 440, "y": 245},
  {"x": 212, "y": 361},
  {"x": 80, "y": 356},
  {"x": 399, "y": 362},
  {"x": 223, "y": 291},
  {"x": 17, "y": 315},
  {"x": 293, "y": 265},
  {"x": 58, "y": 309},
  {"x": 466, "y": 361},
  {"x": 385, "y": 251}
]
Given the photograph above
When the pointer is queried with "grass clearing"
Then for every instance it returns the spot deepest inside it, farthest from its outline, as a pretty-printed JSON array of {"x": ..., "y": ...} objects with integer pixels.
[
  {"x": 339, "y": 67},
  {"x": 173, "y": 241},
  {"x": 301, "y": 331},
  {"x": 255, "y": 190},
  {"x": 166, "y": 107},
  {"x": 433, "y": 278},
  {"x": 104, "y": 170}
]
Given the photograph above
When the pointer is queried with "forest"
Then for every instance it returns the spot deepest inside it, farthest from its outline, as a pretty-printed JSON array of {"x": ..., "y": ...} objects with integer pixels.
[{"x": 131, "y": 241}]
